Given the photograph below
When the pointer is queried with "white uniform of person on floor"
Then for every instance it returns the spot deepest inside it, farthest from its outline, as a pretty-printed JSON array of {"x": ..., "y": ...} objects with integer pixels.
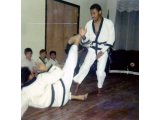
[
  {"x": 51, "y": 88},
  {"x": 98, "y": 36}
]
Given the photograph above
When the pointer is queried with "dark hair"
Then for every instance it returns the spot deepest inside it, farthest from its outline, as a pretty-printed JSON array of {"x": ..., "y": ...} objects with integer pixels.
[
  {"x": 25, "y": 72},
  {"x": 52, "y": 52},
  {"x": 96, "y": 6},
  {"x": 42, "y": 51},
  {"x": 27, "y": 50}
]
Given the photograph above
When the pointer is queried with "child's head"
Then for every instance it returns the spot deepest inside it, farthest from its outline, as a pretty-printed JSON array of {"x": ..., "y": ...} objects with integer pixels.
[
  {"x": 28, "y": 53},
  {"x": 42, "y": 53},
  {"x": 52, "y": 54}
]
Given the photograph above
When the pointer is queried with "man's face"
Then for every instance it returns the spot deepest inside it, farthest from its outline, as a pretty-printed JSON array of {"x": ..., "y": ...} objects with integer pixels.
[
  {"x": 28, "y": 55},
  {"x": 95, "y": 14},
  {"x": 53, "y": 56},
  {"x": 43, "y": 55}
]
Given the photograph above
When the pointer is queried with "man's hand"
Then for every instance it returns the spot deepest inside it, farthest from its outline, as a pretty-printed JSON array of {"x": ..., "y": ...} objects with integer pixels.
[
  {"x": 99, "y": 55},
  {"x": 82, "y": 32}
]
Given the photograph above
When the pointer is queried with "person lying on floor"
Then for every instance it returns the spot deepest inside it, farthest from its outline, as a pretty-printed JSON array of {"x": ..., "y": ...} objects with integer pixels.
[{"x": 52, "y": 87}]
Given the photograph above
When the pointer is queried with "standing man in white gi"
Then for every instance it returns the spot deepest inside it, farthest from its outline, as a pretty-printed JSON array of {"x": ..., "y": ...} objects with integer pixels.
[{"x": 98, "y": 36}]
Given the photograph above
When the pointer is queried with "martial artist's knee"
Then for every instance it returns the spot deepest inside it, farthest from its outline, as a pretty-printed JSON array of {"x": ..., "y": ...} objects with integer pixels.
[
  {"x": 100, "y": 73},
  {"x": 85, "y": 68}
]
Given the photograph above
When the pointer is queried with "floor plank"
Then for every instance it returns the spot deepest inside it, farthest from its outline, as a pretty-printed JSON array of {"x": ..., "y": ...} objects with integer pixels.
[{"x": 120, "y": 101}]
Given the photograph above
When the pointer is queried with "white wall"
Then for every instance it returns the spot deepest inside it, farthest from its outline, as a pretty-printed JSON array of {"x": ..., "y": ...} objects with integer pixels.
[
  {"x": 112, "y": 5},
  {"x": 32, "y": 26}
]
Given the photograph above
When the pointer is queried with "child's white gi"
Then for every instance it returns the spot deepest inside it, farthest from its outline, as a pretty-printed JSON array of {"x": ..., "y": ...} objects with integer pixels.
[
  {"x": 52, "y": 62},
  {"x": 28, "y": 63}
]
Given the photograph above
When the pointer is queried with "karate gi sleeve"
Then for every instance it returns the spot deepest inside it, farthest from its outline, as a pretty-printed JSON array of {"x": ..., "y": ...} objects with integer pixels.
[
  {"x": 52, "y": 76},
  {"x": 111, "y": 37},
  {"x": 24, "y": 103}
]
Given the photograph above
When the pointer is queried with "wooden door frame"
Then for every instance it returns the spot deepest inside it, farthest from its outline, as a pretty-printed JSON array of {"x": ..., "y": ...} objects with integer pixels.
[{"x": 67, "y": 3}]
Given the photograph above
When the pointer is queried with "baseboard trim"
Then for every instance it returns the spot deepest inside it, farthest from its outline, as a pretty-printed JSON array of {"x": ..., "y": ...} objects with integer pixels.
[{"x": 124, "y": 71}]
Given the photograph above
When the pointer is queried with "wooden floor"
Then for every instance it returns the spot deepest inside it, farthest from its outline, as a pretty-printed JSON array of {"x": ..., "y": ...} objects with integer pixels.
[{"x": 119, "y": 102}]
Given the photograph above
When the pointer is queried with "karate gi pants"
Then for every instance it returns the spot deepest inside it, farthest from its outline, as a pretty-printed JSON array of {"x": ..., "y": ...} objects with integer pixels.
[
  {"x": 68, "y": 70},
  {"x": 89, "y": 60}
]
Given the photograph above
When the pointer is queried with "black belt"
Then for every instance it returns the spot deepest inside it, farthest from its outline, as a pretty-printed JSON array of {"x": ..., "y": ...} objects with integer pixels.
[
  {"x": 97, "y": 35},
  {"x": 83, "y": 43},
  {"x": 53, "y": 95},
  {"x": 63, "y": 92},
  {"x": 95, "y": 48},
  {"x": 99, "y": 43},
  {"x": 108, "y": 45},
  {"x": 105, "y": 43}
]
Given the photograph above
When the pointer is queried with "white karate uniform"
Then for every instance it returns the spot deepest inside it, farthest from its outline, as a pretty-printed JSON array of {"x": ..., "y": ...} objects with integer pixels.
[
  {"x": 106, "y": 37},
  {"x": 28, "y": 63},
  {"x": 52, "y": 62},
  {"x": 39, "y": 93}
]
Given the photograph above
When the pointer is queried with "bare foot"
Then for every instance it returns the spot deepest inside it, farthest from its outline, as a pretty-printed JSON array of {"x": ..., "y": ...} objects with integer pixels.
[
  {"x": 77, "y": 39},
  {"x": 71, "y": 40},
  {"x": 74, "y": 40},
  {"x": 85, "y": 96},
  {"x": 79, "y": 97}
]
